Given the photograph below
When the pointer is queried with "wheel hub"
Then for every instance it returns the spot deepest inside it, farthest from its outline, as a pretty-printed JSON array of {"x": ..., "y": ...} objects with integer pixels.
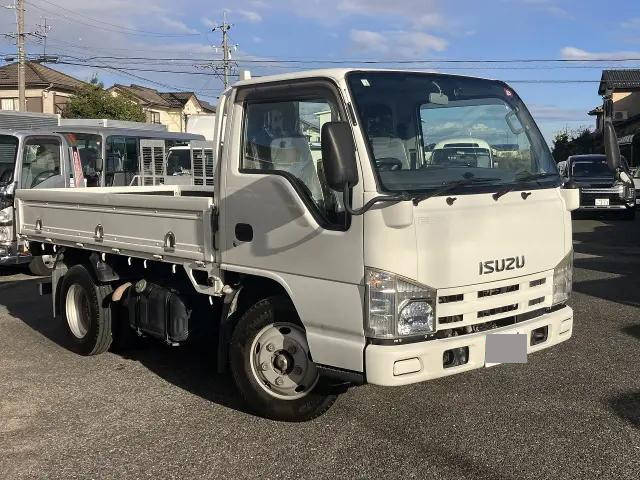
[{"x": 281, "y": 363}]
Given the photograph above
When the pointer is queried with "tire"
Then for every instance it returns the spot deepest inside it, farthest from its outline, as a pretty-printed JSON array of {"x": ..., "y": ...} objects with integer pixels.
[
  {"x": 86, "y": 312},
  {"x": 257, "y": 364},
  {"x": 38, "y": 266}
]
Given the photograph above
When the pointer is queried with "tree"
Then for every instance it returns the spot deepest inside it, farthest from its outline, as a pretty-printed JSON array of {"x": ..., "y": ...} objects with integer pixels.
[
  {"x": 93, "y": 101},
  {"x": 575, "y": 142}
]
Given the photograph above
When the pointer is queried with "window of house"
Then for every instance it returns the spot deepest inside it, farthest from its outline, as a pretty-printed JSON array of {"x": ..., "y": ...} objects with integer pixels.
[
  {"x": 9, "y": 104},
  {"x": 34, "y": 104},
  {"x": 60, "y": 102},
  {"x": 282, "y": 137},
  {"x": 153, "y": 117}
]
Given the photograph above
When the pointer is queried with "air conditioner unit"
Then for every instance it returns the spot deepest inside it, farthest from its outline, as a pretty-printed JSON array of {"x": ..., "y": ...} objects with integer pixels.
[{"x": 620, "y": 115}]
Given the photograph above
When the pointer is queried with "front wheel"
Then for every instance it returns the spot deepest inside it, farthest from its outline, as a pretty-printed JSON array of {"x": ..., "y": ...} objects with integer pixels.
[{"x": 272, "y": 365}]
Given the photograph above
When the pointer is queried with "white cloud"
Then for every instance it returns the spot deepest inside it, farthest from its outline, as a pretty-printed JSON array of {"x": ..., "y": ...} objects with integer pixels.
[
  {"x": 573, "y": 53},
  {"x": 429, "y": 20},
  {"x": 547, "y": 6},
  {"x": 250, "y": 16},
  {"x": 400, "y": 43},
  {"x": 551, "y": 113},
  {"x": 632, "y": 23},
  {"x": 176, "y": 26}
]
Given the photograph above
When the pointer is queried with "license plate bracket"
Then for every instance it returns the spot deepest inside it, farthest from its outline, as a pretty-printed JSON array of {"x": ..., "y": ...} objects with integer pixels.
[
  {"x": 505, "y": 348},
  {"x": 602, "y": 202}
]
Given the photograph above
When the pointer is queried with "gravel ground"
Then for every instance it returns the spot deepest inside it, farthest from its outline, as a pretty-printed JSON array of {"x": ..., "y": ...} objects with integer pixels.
[{"x": 571, "y": 412}]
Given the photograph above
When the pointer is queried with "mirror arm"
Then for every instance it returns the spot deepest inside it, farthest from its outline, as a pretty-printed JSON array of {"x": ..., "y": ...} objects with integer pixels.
[{"x": 370, "y": 203}]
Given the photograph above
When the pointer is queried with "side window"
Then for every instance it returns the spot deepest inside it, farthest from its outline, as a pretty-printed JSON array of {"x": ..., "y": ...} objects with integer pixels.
[
  {"x": 41, "y": 163},
  {"x": 283, "y": 137},
  {"x": 121, "y": 164}
]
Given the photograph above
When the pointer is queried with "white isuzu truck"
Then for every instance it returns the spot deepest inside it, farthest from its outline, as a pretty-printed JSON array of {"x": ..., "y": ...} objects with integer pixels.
[{"x": 367, "y": 261}]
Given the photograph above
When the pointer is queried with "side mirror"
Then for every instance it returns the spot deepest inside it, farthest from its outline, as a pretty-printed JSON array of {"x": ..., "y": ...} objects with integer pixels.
[
  {"x": 99, "y": 164},
  {"x": 339, "y": 155},
  {"x": 611, "y": 147}
]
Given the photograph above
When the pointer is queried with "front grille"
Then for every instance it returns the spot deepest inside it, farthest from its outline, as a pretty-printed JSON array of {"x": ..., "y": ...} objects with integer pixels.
[
  {"x": 451, "y": 298},
  {"x": 496, "y": 311},
  {"x": 498, "y": 291},
  {"x": 485, "y": 306},
  {"x": 450, "y": 319},
  {"x": 536, "y": 301}
]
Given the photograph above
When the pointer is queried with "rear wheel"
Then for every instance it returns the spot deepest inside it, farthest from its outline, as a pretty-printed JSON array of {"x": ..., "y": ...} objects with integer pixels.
[
  {"x": 272, "y": 365},
  {"x": 86, "y": 311},
  {"x": 42, "y": 265}
]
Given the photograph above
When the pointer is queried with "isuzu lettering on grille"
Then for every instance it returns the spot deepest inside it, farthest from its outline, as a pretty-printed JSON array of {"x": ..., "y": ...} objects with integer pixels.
[{"x": 510, "y": 263}]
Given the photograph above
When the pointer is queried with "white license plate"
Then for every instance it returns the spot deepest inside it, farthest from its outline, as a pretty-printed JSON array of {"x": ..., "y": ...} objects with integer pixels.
[
  {"x": 505, "y": 348},
  {"x": 602, "y": 202}
]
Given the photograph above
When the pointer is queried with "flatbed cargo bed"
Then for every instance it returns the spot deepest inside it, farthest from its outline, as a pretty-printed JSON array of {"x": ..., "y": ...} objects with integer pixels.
[{"x": 164, "y": 223}]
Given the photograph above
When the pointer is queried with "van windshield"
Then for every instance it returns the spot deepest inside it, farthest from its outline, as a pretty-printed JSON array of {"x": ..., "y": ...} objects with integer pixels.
[
  {"x": 8, "y": 151},
  {"x": 590, "y": 168},
  {"x": 426, "y": 130}
]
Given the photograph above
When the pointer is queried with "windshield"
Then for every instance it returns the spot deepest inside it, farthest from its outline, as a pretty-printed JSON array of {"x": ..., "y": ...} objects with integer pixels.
[
  {"x": 590, "y": 168},
  {"x": 425, "y": 130},
  {"x": 8, "y": 150},
  {"x": 179, "y": 162}
]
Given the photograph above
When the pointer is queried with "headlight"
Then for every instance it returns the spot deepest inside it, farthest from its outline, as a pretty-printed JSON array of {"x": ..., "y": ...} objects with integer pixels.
[
  {"x": 397, "y": 307},
  {"x": 629, "y": 192},
  {"x": 6, "y": 216},
  {"x": 5, "y": 233},
  {"x": 563, "y": 279}
]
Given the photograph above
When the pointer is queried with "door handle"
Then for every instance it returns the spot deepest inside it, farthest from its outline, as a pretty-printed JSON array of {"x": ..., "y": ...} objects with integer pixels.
[{"x": 244, "y": 232}]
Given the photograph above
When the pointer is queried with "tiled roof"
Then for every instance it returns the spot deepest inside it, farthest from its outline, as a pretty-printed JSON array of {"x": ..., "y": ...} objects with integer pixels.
[
  {"x": 207, "y": 107},
  {"x": 152, "y": 97},
  {"x": 37, "y": 75},
  {"x": 596, "y": 110},
  {"x": 619, "y": 80}
]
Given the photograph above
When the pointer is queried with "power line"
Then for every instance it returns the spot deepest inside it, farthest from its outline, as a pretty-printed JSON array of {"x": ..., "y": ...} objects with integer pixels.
[{"x": 83, "y": 19}]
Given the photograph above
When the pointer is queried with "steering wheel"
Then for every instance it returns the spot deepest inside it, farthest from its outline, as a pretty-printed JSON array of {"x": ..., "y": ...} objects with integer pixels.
[
  {"x": 42, "y": 176},
  {"x": 388, "y": 163}
]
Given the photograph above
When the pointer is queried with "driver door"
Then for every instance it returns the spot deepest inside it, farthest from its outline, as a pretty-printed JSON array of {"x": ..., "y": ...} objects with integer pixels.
[{"x": 42, "y": 165}]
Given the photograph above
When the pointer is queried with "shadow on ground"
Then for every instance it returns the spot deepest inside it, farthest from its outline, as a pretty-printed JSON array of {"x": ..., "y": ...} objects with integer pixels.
[
  {"x": 627, "y": 407},
  {"x": 191, "y": 367},
  {"x": 611, "y": 246}
]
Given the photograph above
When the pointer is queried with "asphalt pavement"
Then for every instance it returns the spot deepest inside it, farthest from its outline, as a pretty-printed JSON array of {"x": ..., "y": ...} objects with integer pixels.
[{"x": 157, "y": 412}]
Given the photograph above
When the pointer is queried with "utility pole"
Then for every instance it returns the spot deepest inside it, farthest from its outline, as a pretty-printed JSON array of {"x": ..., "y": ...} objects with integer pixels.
[
  {"x": 226, "y": 49},
  {"x": 43, "y": 32},
  {"x": 22, "y": 99}
]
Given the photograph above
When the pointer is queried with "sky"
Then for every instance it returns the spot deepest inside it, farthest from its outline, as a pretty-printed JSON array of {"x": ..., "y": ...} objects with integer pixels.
[{"x": 268, "y": 35}]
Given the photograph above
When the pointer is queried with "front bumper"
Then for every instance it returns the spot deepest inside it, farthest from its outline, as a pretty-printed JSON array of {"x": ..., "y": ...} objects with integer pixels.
[
  {"x": 380, "y": 360},
  {"x": 9, "y": 256},
  {"x": 624, "y": 206}
]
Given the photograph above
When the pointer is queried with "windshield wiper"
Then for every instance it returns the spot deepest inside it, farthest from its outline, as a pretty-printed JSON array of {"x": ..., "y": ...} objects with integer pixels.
[
  {"x": 447, "y": 187},
  {"x": 519, "y": 180}
]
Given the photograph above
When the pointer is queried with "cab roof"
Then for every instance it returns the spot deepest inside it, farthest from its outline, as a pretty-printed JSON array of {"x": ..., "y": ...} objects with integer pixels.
[{"x": 336, "y": 74}]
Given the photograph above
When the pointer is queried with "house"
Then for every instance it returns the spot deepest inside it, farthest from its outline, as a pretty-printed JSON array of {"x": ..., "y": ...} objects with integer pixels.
[
  {"x": 168, "y": 108},
  {"x": 624, "y": 86},
  {"x": 47, "y": 90}
]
